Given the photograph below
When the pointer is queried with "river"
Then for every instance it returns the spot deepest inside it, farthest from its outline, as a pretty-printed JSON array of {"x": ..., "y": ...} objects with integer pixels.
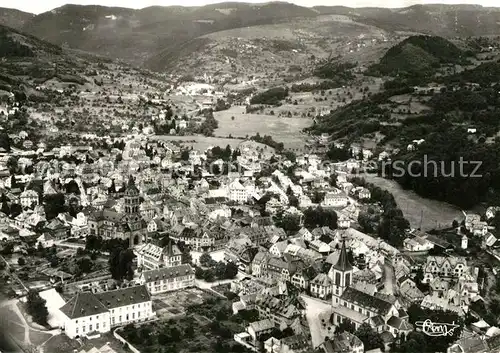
[{"x": 421, "y": 212}]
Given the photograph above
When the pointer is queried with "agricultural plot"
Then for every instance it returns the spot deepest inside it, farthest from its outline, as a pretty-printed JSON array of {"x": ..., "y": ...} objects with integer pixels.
[
  {"x": 286, "y": 130},
  {"x": 170, "y": 305}
]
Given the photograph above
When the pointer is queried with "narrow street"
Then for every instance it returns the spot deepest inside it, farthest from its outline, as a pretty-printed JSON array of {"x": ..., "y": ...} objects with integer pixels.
[
  {"x": 389, "y": 279},
  {"x": 314, "y": 307}
]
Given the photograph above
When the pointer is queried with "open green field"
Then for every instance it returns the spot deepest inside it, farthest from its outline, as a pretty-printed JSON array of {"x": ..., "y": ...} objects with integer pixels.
[
  {"x": 286, "y": 130},
  {"x": 434, "y": 214}
]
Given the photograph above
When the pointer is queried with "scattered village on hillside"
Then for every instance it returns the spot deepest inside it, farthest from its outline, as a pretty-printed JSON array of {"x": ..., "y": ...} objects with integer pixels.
[{"x": 106, "y": 240}]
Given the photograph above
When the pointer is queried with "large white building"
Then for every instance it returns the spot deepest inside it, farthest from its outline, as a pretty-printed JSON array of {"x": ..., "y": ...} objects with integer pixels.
[
  {"x": 417, "y": 243},
  {"x": 237, "y": 192},
  {"x": 335, "y": 199},
  {"x": 89, "y": 314},
  {"x": 168, "y": 279},
  {"x": 28, "y": 198}
]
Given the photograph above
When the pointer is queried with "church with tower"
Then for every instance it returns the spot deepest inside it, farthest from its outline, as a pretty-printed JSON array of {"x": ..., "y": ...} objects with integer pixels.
[
  {"x": 128, "y": 225},
  {"x": 378, "y": 310},
  {"x": 342, "y": 274}
]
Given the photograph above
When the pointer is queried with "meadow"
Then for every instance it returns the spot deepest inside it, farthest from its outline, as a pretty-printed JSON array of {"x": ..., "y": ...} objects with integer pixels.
[
  {"x": 286, "y": 130},
  {"x": 420, "y": 212}
]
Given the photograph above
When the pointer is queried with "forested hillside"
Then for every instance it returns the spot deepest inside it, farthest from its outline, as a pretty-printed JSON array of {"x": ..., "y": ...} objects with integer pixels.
[{"x": 450, "y": 106}]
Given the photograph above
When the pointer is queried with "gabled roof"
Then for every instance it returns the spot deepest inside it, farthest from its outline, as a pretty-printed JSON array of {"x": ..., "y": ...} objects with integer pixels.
[
  {"x": 287, "y": 306},
  {"x": 83, "y": 304},
  {"x": 346, "y": 342},
  {"x": 277, "y": 262},
  {"x": 187, "y": 232},
  {"x": 365, "y": 300},
  {"x": 124, "y": 296},
  {"x": 281, "y": 245},
  {"x": 262, "y": 325},
  {"x": 322, "y": 280},
  {"x": 377, "y": 321},
  {"x": 309, "y": 272},
  {"x": 400, "y": 324},
  {"x": 167, "y": 273},
  {"x": 157, "y": 252},
  {"x": 261, "y": 257},
  {"x": 295, "y": 341}
]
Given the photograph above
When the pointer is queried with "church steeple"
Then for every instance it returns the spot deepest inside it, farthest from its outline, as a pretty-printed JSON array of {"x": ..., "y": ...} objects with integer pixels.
[
  {"x": 131, "y": 184},
  {"x": 132, "y": 198},
  {"x": 343, "y": 263},
  {"x": 342, "y": 274}
]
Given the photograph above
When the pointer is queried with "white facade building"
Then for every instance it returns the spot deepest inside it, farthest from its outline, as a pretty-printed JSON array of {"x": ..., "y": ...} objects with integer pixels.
[
  {"x": 168, "y": 279},
  {"x": 152, "y": 256},
  {"x": 88, "y": 314},
  {"x": 335, "y": 199},
  {"x": 237, "y": 192}
]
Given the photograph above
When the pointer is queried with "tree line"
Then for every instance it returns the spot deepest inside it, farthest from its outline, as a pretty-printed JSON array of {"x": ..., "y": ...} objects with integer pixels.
[{"x": 392, "y": 224}]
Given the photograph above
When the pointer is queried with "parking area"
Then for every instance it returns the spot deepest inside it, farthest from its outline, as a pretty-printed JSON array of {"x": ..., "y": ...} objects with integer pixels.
[{"x": 172, "y": 304}]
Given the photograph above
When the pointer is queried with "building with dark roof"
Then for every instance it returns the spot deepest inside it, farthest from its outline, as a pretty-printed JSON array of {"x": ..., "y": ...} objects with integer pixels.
[
  {"x": 342, "y": 274},
  {"x": 346, "y": 342},
  {"x": 290, "y": 344},
  {"x": 83, "y": 304},
  {"x": 355, "y": 305},
  {"x": 168, "y": 278},
  {"x": 89, "y": 313},
  {"x": 282, "y": 309}
]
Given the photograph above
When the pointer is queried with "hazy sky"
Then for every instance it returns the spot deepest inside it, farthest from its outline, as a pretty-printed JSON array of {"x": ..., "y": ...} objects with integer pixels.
[{"x": 35, "y": 6}]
